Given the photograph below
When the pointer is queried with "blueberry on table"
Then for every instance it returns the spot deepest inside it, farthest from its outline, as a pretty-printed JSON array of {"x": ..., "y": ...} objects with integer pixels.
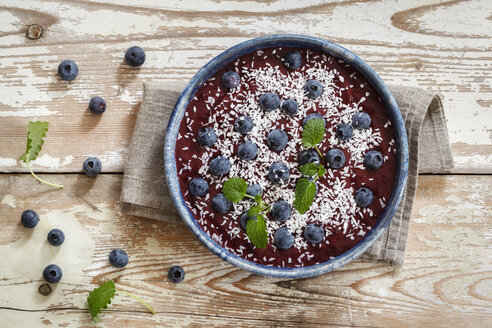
[
  {"x": 277, "y": 139},
  {"x": 361, "y": 121},
  {"x": 313, "y": 89},
  {"x": 254, "y": 189},
  {"x": 68, "y": 70},
  {"x": 363, "y": 197},
  {"x": 284, "y": 239},
  {"x": 176, "y": 274},
  {"x": 29, "y": 219},
  {"x": 52, "y": 273},
  {"x": 243, "y": 221},
  {"x": 220, "y": 204},
  {"x": 198, "y": 187},
  {"x": 243, "y": 124},
  {"x": 344, "y": 131},
  {"x": 313, "y": 116},
  {"x": 97, "y": 105},
  {"x": 231, "y": 80},
  {"x": 309, "y": 156},
  {"x": 206, "y": 137},
  {"x": 269, "y": 101},
  {"x": 293, "y": 60},
  {"x": 56, "y": 237},
  {"x": 135, "y": 56},
  {"x": 92, "y": 166},
  {"x": 290, "y": 107},
  {"x": 373, "y": 160},
  {"x": 278, "y": 173},
  {"x": 335, "y": 158},
  {"x": 118, "y": 258},
  {"x": 247, "y": 151},
  {"x": 219, "y": 165},
  {"x": 314, "y": 233},
  {"x": 281, "y": 210}
]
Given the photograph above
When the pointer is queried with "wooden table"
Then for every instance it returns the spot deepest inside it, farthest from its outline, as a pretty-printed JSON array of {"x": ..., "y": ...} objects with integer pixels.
[{"x": 442, "y": 46}]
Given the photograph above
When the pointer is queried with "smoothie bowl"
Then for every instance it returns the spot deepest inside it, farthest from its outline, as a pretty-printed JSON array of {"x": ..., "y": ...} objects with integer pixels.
[{"x": 287, "y": 156}]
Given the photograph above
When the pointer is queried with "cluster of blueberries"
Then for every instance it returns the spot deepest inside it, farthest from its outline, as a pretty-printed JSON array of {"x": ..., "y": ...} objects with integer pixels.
[{"x": 277, "y": 139}]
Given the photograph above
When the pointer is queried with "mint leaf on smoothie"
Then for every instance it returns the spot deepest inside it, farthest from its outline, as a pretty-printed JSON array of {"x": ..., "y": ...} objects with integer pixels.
[
  {"x": 313, "y": 132},
  {"x": 234, "y": 189},
  {"x": 309, "y": 169},
  {"x": 254, "y": 210},
  {"x": 257, "y": 232},
  {"x": 304, "y": 194}
]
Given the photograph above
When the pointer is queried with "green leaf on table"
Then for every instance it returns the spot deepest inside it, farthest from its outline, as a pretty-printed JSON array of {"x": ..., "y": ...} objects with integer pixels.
[
  {"x": 309, "y": 169},
  {"x": 36, "y": 131},
  {"x": 305, "y": 192},
  {"x": 257, "y": 232},
  {"x": 234, "y": 189},
  {"x": 100, "y": 297},
  {"x": 313, "y": 132},
  {"x": 254, "y": 210}
]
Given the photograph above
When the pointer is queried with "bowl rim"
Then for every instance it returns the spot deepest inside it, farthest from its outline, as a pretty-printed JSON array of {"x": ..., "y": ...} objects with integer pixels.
[{"x": 287, "y": 40}]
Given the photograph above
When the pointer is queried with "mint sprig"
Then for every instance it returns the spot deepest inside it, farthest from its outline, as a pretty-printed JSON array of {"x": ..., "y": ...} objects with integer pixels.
[
  {"x": 305, "y": 191},
  {"x": 234, "y": 190},
  {"x": 101, "y": 297},
  {"x": 36, "y": 131}
]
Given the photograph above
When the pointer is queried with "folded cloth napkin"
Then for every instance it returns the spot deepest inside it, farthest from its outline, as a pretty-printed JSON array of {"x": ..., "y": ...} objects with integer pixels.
[{"x": 145, "y": 192}]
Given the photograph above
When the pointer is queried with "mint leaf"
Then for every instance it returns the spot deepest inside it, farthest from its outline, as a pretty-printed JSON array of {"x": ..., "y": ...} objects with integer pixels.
[
  {"x": 313, "y": 132},
  {"x": 36, "y": 131},
  {"x": 309, "y": 169},
  {"x": 234, "y": 189},
  {"x": 304, "y": 195},
  {"x": 257, "y": 232},
  {"x": 100, "y": 297},
  {"x": 258, "y": 198},
  {"x": 321, "y": 170},
  {"x": 254, "y": 210}
]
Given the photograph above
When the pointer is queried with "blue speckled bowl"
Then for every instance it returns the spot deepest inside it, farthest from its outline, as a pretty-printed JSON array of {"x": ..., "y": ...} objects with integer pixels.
[{"x": 301, "y": 41}]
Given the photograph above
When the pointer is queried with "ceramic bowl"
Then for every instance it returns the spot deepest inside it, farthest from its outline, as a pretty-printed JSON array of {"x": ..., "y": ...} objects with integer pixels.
[{"x": 300, "y": 41}]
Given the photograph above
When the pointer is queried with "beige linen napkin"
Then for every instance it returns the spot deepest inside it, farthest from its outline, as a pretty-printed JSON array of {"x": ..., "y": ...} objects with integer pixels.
[{"x": 145, "y": 192}]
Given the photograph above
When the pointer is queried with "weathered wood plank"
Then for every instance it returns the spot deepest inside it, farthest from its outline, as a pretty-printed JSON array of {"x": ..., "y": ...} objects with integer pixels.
[
  {"x": 402, "y": 41},
  {"x": 447, "y": 274}
]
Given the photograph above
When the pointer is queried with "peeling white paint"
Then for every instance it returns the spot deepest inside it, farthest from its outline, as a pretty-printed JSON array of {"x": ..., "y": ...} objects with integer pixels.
[
  {"x": 9, "y": 200},
  {"x": 28, "y": 112},
  {"x": 7, "y": 162},
  {"x": 51, "y": 162},
  {"x": 112, "y": 158}
]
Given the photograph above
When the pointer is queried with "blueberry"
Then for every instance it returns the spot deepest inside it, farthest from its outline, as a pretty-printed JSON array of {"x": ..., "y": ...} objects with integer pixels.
[
  {"x": 56, "y": 237},
  {"x": 314, "y": 233},
  {"x": 68, "y": 70},
  {"x": 135, "y": 56},
  {"x": 220, "y": 204},
  {"x": 243, "y": 124},
  {"x": 118, "y": 258},
  {"x": 254, "y": 189},
  {"x": 313, "y": 116},
  {"x": 206, "y": 137},
  {"x": 363, "y": 197},
  {"x": 231, "y": 80},
  {"x": 292, "y": 60},
  {"x": 335, "y": 158},
  {"x": 313, "y": 89},
  {"x": 278, "y": 173},
  {"x": 52, "y": 273},
  {"x": 277, "y": 139},
  {"x": 281, "y": 210},
  {"x": 361, "y": 121},
  {"x": 97, "y": 105},
  {"x": 284, "y": 239},
  {"x": 344, "y": 131},
  {"x": 92, "y": 166},
  {"x": 247, "y": 151},
  {"x": 176, "y": 274},
  {"x": 269, "y": 101},
  {"x": 243, "y": 221},
  {"x": 289, "y": 107},
  {"x": 219, "y": 165},
  {"x": 309, "y": 156},
  {"x": 373, "y": 160},
  {"x": 198, "y": 187},
  {"x": 29, "y": 219}
]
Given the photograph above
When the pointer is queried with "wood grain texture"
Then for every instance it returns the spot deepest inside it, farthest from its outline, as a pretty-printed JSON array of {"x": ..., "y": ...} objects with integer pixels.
[
  {"x": 447, "y": 275},
  {"x": 441, "y": 46}
]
